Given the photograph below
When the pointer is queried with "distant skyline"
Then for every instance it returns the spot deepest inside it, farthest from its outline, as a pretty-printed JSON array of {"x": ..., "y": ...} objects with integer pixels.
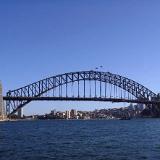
[{"x": 44, "y": 38}]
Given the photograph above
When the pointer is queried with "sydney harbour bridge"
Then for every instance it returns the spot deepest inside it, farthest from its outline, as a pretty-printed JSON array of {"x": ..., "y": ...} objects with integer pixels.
[{"x": 81, "y": 86}]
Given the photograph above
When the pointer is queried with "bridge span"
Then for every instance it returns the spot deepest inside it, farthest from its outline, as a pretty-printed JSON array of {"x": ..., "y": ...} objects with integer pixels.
[
  {"x": 81, "y": 86},
  {"x": 100, "y": 99}
]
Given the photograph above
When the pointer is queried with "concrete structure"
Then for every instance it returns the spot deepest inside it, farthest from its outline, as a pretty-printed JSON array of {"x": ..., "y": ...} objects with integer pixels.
[
  {"x": 20, "y": 113},
  {"x": 2, "y": 109}
]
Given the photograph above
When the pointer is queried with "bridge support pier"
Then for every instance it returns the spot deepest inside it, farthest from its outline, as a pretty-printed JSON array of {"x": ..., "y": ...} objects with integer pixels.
[
  {"x": 156, "y": 108},
  {"x": 151, "y": 111},
  {"x": 155, "y": 111},
  {"x": 20, "y": 113},
  {"x": 2, "y": 109}
]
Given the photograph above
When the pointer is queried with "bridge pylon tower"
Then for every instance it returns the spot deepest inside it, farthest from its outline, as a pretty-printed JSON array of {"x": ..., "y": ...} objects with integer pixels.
[{"x": 2, "y": 108}]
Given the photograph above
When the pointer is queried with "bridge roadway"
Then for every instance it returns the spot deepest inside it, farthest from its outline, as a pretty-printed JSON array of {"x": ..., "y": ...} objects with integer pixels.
[{"x": 113, "y": 100}]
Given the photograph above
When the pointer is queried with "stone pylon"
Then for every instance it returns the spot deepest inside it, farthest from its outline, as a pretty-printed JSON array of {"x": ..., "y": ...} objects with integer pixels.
[{"x": 2, "y": 110}]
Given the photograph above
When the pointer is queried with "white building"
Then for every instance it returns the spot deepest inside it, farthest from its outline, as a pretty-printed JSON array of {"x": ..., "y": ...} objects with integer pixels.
[{"x": 68, "y": 116}]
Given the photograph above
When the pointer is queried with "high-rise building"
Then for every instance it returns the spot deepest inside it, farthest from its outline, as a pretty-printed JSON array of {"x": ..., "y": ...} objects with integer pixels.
[
  {"x": 68, "y": 115},
  {"x": 73, "y": 114}
]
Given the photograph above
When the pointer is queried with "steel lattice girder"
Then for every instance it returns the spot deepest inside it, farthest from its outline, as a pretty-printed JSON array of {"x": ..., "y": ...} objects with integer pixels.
[{"x": 38, "y": 88}]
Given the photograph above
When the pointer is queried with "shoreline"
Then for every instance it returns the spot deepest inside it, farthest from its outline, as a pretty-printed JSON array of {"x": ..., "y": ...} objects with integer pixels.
[{"x": 15, "y": 120}]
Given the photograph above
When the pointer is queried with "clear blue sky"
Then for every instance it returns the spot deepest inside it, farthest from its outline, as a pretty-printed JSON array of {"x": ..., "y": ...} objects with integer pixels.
[{"x": 40, "y": 38}]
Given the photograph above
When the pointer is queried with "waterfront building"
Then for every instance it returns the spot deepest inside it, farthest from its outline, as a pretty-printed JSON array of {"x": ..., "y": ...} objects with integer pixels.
[
  {"x": 59, "y": 115},
  {"x": 73, "y": 114},
  {"x": 63, "y": 115},
  {"x": 67, "y": 115},
  {"x": 53, "y": 112},
  {"x": 141, "y": 107},
  {"x": 79, "y": 115},
  {"x": 86, "y": 117},
  {"x": 131, "y": 107}
]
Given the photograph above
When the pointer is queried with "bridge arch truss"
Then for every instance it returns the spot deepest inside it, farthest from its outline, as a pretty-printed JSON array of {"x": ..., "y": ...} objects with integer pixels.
[{"x": 104, "y": 80}]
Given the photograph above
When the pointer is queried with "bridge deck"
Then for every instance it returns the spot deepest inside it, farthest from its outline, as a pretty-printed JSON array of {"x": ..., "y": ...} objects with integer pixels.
[{"x": 114, "y": 100}]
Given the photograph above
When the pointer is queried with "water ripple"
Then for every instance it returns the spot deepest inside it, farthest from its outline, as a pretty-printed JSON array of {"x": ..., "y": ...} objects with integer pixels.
[{"x": 80, "y": 140}]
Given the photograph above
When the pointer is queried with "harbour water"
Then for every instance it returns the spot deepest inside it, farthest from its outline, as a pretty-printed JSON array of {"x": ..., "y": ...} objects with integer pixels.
[{"x": 80, "y": 140}]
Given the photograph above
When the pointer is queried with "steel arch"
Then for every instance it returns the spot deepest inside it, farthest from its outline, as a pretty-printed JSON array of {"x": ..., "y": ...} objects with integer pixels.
[{"x": 40, "y": 87}]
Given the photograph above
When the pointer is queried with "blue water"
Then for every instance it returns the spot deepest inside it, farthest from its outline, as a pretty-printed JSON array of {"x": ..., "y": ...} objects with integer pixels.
[{"x": 80, "y": 140}]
